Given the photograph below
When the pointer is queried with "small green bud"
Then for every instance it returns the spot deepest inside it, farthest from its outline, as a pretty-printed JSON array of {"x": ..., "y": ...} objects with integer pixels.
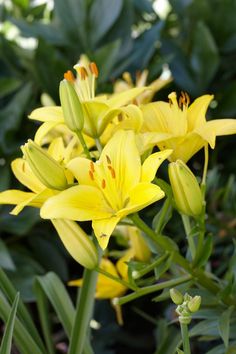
[
  {"x": 194, "y": 303},
  {"x": 71, "y": 106},
  {"x": 186, "y": 190},
  {"x": 176, "y": 296},
  {"x": 45, "y": 168},
  {"x": 77, "y": 242}
]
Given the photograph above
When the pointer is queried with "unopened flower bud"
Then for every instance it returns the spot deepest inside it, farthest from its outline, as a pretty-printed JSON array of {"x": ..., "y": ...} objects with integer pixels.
[
  {"x": 77, "y": 242},
  {"x": 176, "y": 296},
  {"x": 186, "y": 190},
  {"x": 194, "y": 303},
  {"x": 71, "y": 106},
  {"x": 45, "y": 168}
]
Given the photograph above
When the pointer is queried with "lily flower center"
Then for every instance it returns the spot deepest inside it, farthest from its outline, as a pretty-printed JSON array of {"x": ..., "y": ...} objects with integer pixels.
[
  {"x": 106, "y": 179},
  {"x": 85, "y": 82}
]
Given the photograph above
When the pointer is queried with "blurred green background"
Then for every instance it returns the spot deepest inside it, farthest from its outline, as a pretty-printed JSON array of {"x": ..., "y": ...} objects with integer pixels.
[{"x": 39, "y": 41}]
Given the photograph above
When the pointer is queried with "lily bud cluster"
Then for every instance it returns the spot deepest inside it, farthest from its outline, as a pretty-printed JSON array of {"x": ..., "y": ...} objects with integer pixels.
[{"x": 187, "y": 305}]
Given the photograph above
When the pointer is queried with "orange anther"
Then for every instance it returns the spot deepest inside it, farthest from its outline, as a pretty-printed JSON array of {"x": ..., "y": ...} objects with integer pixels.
[
  {"x": 94, "y": 69},
  {"x": 92, "y": 167},
  {"x": 69, "y": 76},
  {"x": 91, "y": 175},
  {"x": 103, "y": 183}
]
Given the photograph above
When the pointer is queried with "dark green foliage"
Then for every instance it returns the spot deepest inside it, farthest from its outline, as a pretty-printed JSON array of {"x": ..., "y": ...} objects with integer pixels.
[{"x": 197, "y": 40}]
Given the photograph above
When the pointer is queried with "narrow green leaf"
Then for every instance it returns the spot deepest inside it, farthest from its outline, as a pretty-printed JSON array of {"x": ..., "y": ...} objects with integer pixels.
[
  {"x": 42, "y": 305},
  {"x": 224, "y": 325},
  {"x": 22, "y": 336},
  {"x": 7, "y": 337},
  {"x": 10, "y": 292},
  {"x": 59, "y": 299}
]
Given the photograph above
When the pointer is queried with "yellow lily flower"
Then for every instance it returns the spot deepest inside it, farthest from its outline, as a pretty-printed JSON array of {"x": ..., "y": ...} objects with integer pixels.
[
  {"x": 185, "y": 128},
  {"x": 98, "y": 110},
  {"x": 113, "y": 187}
]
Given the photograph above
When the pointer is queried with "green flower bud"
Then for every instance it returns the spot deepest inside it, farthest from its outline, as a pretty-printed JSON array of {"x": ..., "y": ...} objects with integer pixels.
[
  {"x": 71, "y": 106},
  {"x": 194, "y": 303},
  {"x": 186, "y": 190},
  {"x": 45, "y": 168},
  {"x": 77, "y": 242},
  {"x": 176, "y": 296}
]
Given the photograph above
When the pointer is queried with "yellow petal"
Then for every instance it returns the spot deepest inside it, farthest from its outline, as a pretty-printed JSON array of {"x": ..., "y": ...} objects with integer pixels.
[
  {"x": 106, "y": 287},
  {"x": 147, "y": 140},
  {"x": 122, "y": 155},
  {"x": 14, "y": 196},
  {"x": 152, "y": 163},
  {"x": 222, "y": 126},
  {"x": 122, "y": 98},
  {"x": 196, "y": 115},
  {"x": 142, "y": 195},
  {"x": 76, "y": 282},
  {"x": 36, "y": 200},
  {"x": 183, "y": 148},
  {"x": 77, "y": 243},
  {"x": 154, "y": 120},
  {"x": 56, "y": 149},
  {"x": 45, "y": 114},
  {"x": 103, "y": 229},
  {"x": 133, "y": 118},
  {"x": 79, "y": 203},
  {"x": 139, "y": 246},
  {"x": 80, "y": 168},
  {"x": 122, "y": 266},
  {"x": 24, "y": 174},
  {"x": 43, "y": 130}
]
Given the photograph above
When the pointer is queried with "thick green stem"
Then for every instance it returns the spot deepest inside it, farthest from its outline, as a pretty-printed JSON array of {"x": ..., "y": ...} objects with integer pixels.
[
  {"x": 84, "y": 310},
  {"x": 83, "y": 143},
  {"x": 151, "y": 289},
  {"x": 187, "y": 228},
  {"x": 185, "y": 338}
]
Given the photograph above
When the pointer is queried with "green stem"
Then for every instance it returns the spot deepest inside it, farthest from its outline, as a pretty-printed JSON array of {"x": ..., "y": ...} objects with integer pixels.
[
  {"x": 98, "y": 145},
  {"x": 151, "y": 289},
  {"x": 119, "y": 280},
  {"x": 84, "y": 310},
  {"x": 83, "y": 143},
  {"x": 140, "y": 273},
  {"x": 185, "y": 338},
  {"x": 187, "y": 228}
]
